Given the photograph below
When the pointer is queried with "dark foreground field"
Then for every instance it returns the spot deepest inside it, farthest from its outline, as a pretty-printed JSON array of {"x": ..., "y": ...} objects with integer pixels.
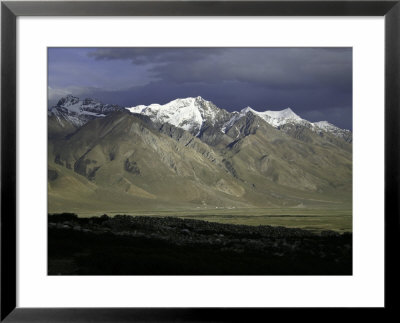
[{"x": 125, "y": 245}]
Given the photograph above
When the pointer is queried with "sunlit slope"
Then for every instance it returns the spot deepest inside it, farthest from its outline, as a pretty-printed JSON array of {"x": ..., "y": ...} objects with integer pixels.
[
  {"x": 124, "y": 156},
  {"x": 284, "y": 168},
  {"x": 124, "y": 162}
]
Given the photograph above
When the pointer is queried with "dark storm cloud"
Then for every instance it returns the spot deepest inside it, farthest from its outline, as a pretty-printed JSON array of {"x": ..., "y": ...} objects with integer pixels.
[
  {"x": 274, "y": 67},
  {"x": 315, "y": 82},
  {"x": 148, "y": 55}
]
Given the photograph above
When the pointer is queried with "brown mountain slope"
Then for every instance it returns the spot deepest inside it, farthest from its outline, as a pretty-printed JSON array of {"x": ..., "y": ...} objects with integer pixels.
[
  {"x": 123, "y": 155},
  {"x": 125, "y": 162}
]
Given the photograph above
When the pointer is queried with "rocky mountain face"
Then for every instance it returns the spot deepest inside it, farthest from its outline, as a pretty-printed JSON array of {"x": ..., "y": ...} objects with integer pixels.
[
  {"x": 71, "y": 113},
  {"x": 191, "y": 114},
  {"x": 191, "y": 154}
]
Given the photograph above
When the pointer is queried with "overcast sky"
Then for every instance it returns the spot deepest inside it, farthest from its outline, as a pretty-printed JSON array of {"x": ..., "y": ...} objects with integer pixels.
[{"x": 316, "y": 83}]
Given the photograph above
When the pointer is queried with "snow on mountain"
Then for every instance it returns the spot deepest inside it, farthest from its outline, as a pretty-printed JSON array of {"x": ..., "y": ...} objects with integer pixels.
[
  {"x": 279, "y": 118},
  {"x": 274, "y": 118},
  {"x": 235, "y": 117},
  {"x": 282, "y": 117},
  {"x": 78, "y": 112},
  {"x": 336, "y": 131},
  {"x": 189, "y": 114},
  {"x": 325, "y": 125}
]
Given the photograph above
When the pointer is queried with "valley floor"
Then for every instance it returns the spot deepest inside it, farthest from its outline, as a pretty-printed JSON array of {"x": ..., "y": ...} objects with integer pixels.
[
  {"x": 316, "y": 219},
  {"x": 127, "y": 245}
]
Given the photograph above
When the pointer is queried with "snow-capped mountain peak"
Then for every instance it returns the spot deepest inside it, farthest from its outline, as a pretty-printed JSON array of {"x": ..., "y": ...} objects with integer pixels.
[
  {"x": 78, "y": 112},
  {"x": 187, "y": 113},
  {"x": 193, "y": 114},
  {"x": 280, "y": 117},
  {"x": 282, "y": 114},
  {"x": 325, "y": 125},
  {"x": 246, "y": 110},
  {"x": 274, "y": 118},
  {"x": 67, "y": 101}
]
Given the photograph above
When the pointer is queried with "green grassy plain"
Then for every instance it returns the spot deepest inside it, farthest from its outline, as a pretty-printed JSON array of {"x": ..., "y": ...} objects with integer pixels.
[{"x": 339, "y": 220}]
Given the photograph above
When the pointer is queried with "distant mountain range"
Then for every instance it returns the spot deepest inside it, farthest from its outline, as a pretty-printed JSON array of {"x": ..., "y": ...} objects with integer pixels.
[{"x": 189, "y": 153}]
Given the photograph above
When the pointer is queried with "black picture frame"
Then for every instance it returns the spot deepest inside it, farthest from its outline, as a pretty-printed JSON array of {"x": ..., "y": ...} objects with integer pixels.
[{"x": 10, "y": 10}]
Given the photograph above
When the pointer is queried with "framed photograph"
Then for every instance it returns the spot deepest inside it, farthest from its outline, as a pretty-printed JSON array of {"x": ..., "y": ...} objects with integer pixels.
[{"x": 197, "y": 160}]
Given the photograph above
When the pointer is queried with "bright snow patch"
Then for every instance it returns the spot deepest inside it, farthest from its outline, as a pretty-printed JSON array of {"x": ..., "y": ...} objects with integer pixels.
[
  {"x": 277, "y": 118},
  {"x": 274, "y": 118},
  {"x": 188, "y": 114},
  {"x": 325, "y": 125},
  {"x": 78, "y": 112}
]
